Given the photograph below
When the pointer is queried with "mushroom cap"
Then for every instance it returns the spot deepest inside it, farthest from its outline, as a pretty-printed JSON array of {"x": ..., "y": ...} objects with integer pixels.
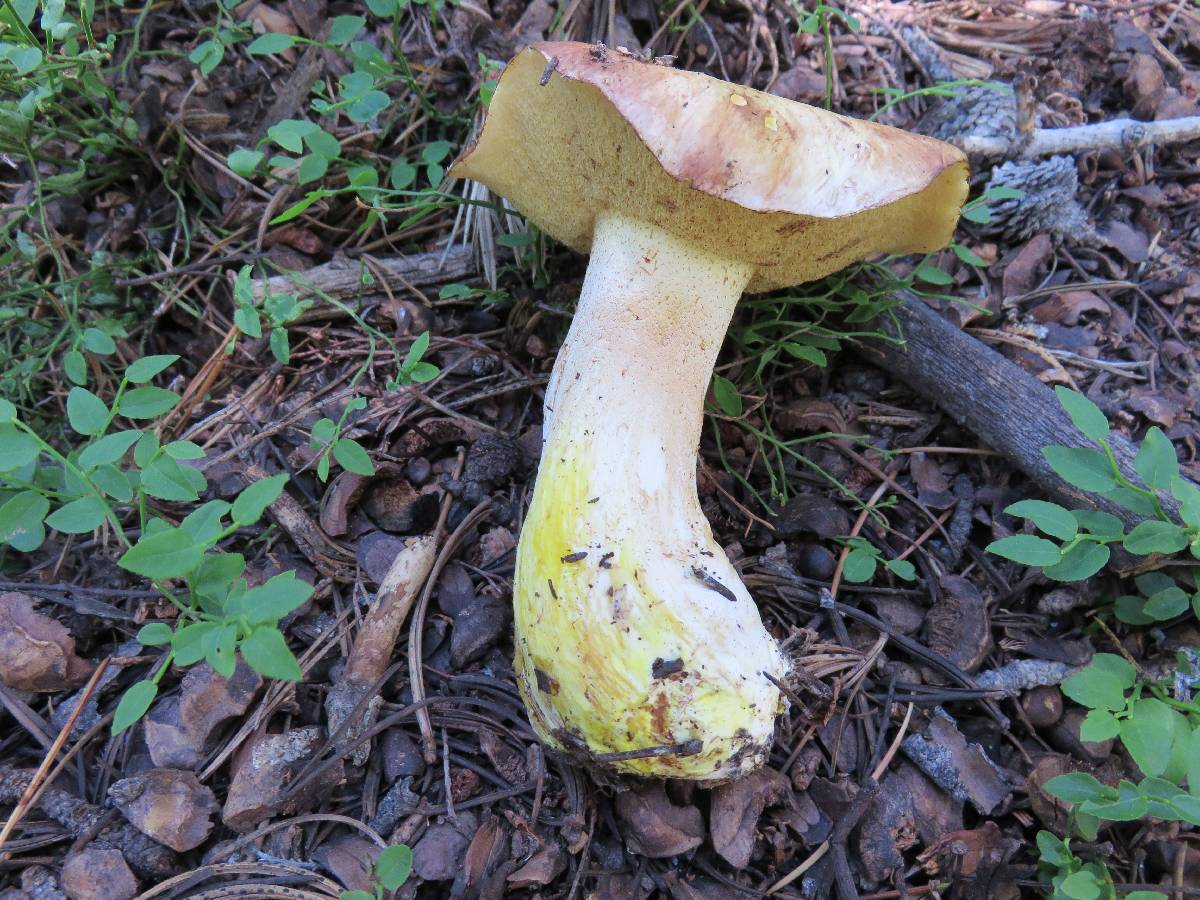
[{"x": 576, "y": 130}]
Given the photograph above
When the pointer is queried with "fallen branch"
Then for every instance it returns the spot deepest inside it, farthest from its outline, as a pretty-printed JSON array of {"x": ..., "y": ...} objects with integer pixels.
[
  {"x": 356, "y": 692},
  {"x": 1002, "y": 404},
  {"x": 1118, "y": 134},
  {"x": 342, "y": 279},
  {"x": 146, "y": 857}
]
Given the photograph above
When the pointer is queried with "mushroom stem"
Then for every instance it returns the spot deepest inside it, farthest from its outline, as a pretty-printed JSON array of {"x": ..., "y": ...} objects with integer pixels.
[{"x": 650, "y": 640}]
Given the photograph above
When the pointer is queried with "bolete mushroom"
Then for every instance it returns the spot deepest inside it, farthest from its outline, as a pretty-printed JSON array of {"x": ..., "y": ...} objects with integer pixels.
[{"x": 637, "y": 646}]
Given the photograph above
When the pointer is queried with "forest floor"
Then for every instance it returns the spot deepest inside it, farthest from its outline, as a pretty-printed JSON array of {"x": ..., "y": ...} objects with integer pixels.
[{"x": 161, "y": 162}]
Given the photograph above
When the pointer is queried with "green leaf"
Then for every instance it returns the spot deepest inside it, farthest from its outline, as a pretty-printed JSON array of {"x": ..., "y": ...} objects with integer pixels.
[
  {"x": 294, "y": 211},
  {"x": 322, "y": 143},
  {"x": 1188, "y": 496},
  {"x": 189, "y": 642},
  {"x": 207, "y": 56},
  {"x": 96, "y": 341},
  {"x": 1128, "y": 807},
  {"x": 25, "y": 59},
  {"x": 1080, "y": 562},
  {"x": 1128, "y": 609},
  {"x": 219, "y": 649},
  {"x": 270, "y": 602},
  {"x": 1102, "y": 685},
  {"x": 1099, "y": 523},
  {"x": 1167, "y": 604},
  {"x": 727, "y": 396},
  {"x": 1047, "y": 517},
  {"x": 267, "y": 653},
  {"x": 217, "y": 572},
  {"x": 155, "y": 634},
  {"x": 79, "y": 516},
  {"x": 1144, "y": 895},
  {"x": 172, "y": 553},
  {"x": 352, "y": 457},
  {"x": 1155, "y": 536},
  {"x": 1188, "y": 808},
  {"x": 1081, "y": 467},
  {"x": 147, "y": 402},
  {"x": 436, "y": 151},
  {"x": 290, "y": 133},
  {"x": 966, "y": 255},
  {"x": 245, "y": 162},
  {"x": 1144, "y": 735},
  {"x": 75, "y": 366},
  {"x": 1156, "y": 461},
  {"x": 1135, "y": 501},
  {"x": 1080, "y": 885},
  {"x": 168, "y": 480},
  {"x": 393, "y": 866},
  {"x": 323, "y": 432},
  {"x": 416, "y": 350},
  {"x": 423, "y": 372},
  {"x": 251, "y": 502},
  {"x": 931, "y": 274},
  {"x": 1077, "y": 787},
  {"x": 21, "y": 521},
  {"x": 113, "y": 482},
  {"x": 813, "y": 355},
  {"x": 402, "y": 175},
  {"x": 86, "y": 412},
  {"x": 204, "y": 522},
  {"x": 183, "y": 450},
  {"x": 1083, "y": 412},
  {"x": 312, "y": 168},
  {"x": 901, "y": 568},
  {"x": 367, "y": 107},
  {"x": 859, "y": 566},
  {"x": 979, "y": 215},
  {"x": 279, "y": 345},
  {"x": 1026, "y": 549},
  {"x": 1053, "y": 850},
  {"x": 8, "y": 412},
  {"x": 17, "y": 448},
  {"x": 359, "y": 895},
  {"x": 145, "y": 449},
  {"x": 1098, "y": 725},
  {"x": 133, "y": 705},
  {"x": 108, "y": 449},
  {"x": 271, "y": 42},
  {"x": 344, "y": 28}
]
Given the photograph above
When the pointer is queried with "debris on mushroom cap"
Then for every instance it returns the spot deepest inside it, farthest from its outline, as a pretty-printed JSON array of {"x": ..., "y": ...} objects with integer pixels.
[{"x": 797, "y": 191}]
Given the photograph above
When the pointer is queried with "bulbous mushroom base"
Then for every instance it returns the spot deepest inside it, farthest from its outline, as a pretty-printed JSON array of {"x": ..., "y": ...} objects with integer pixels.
[{"x": 637, "y": 654}]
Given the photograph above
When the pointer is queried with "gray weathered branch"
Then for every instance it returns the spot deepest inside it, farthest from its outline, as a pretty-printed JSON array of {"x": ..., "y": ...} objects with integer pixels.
[{"x": 1118, "y": 134}]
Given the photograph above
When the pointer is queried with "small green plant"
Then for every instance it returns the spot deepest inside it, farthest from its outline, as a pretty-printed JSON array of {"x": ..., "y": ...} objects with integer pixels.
[
  {"x": 326, "y": 439},
  {"x": 390, "y": 872},
  {"x": 276, "y": 311},
  {"x": 820, "y": 18},
  {"x": 898, "y": 95},
  {"x": 413, "y": 369},
  {"x": 1076, "y": 542},
  {"x": 326, "y": 436},
  {"x": 1160, "y": 733},
  {"x": 111, "y": 481},
  {"x": 864, "y": 558},
  {"x": 1071, "y": 878}
]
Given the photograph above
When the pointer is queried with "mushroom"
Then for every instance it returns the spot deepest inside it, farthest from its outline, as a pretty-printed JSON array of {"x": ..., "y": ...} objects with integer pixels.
[{"x": 638, "y": 649}]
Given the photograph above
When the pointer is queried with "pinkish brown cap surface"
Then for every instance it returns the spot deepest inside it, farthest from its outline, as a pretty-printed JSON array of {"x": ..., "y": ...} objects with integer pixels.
[{"x": 574, "y": 131}]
